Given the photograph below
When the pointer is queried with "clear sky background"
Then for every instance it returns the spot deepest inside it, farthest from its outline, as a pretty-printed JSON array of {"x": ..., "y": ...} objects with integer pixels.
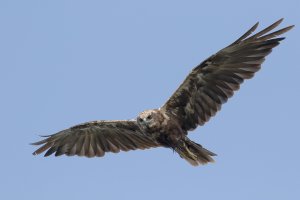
[{"x": 66, "y": 62}]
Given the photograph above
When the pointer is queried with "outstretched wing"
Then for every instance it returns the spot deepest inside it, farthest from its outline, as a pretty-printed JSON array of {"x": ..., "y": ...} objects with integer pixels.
[
  {"x": 95, "y": 138},
  {"x": 212, "y": 82}
]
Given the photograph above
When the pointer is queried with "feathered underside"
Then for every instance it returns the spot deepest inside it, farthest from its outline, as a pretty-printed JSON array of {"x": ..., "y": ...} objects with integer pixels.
[
  {"x": 95, "y": 138},
  {"x": 212, "y": 82},
  {"x": 198, "y": 98}
]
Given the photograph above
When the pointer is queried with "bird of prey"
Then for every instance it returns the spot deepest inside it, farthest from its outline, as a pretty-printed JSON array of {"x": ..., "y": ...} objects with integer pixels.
[{"x": 198, "y": 98}]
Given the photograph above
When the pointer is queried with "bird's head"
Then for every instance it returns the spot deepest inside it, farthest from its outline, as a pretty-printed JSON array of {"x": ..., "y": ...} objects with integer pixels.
[{"x": 150, "y": 120}]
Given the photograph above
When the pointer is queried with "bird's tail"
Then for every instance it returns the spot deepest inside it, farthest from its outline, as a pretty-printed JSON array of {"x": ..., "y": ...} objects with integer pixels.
[{"x": 194, "y": 153}]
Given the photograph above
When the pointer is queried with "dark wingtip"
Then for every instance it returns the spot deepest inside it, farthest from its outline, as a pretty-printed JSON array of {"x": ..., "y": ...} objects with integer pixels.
[
  {"x": 275, "y": 24},
  {"x": 41, "y": 141},
  {"x": 45, "y": 135},
  {"x": 249, "y": 32},
  {"x": 38, "y": 142},
  {"x": 290, "y": 27},
  {"x": 280, "y": 20},
  {"x": 214, "y": 154},
  {"x": 34, "y": 143}
]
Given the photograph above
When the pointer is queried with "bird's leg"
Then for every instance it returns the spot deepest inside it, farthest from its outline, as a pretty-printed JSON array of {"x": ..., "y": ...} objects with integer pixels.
[{"x": 182, "y": 146}]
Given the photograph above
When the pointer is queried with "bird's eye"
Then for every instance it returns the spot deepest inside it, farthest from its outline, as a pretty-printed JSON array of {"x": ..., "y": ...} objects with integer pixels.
[
  {"x": 140, "y": 120},
  {"x": 149, "y": 117}
]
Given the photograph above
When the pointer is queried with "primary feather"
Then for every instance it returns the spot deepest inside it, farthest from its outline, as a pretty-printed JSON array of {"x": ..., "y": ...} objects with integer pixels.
[
  {"x": 95, "y": 138},
  {"x": 212, "y": 82}
]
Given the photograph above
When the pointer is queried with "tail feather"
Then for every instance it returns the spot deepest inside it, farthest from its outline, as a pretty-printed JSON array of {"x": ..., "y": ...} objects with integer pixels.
[{"x": 194, "y": 153}]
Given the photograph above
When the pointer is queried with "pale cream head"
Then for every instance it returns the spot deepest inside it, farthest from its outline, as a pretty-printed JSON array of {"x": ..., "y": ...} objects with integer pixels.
[{"x": 150, "y": 120}]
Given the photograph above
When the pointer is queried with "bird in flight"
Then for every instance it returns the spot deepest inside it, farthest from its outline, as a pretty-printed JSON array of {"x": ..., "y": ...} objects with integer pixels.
[{"x": 198, "y": 98}]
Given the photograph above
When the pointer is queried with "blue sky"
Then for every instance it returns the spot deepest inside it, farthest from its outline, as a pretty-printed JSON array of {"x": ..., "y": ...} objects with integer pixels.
[{"x": 66, "y": 62}]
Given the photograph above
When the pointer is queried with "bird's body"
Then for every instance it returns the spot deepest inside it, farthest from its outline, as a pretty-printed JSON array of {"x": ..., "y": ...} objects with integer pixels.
[
  {"x": 160, "y": 127},
  {"x": 199, "y": 97},
  {"x": 167, "y": 132}
]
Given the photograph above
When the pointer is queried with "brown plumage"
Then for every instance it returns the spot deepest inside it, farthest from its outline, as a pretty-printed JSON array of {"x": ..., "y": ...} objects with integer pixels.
[{"x": 198, "y": 98}]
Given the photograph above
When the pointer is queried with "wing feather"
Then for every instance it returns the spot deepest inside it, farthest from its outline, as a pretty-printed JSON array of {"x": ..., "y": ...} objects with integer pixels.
[
  {"x": 213, "y": 82},
  {"x": 95, "y": 138}
]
